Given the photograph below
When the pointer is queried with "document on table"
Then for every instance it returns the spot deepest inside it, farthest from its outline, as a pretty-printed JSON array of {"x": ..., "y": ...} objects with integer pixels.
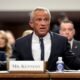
[{"x": 4, "y": 71}]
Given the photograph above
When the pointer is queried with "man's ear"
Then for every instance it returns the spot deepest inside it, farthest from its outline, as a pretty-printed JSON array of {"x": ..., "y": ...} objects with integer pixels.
[{"x": 31, "y": 23}]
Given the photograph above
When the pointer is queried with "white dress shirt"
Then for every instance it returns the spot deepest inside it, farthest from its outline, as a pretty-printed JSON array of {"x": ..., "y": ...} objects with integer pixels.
[{"x": 36, "y": 50}]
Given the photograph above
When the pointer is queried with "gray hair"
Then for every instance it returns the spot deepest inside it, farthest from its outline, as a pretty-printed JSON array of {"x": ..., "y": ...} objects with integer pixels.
[{"x": 39, "y": 9}]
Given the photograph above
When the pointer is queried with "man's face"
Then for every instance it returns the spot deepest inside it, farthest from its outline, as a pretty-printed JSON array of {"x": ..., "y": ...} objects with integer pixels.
[
  {"x": 67, "y": 30},
  {"x": 41, "y": 23}
]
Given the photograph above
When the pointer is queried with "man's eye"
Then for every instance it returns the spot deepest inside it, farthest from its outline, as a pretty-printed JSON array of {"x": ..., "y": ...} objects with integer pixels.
[
  {"x": 70, "y": 29},
  {"x": 39, "y": 19},
  {"x": 63, "y": 29},
  {"x": 46, "y": 19}
]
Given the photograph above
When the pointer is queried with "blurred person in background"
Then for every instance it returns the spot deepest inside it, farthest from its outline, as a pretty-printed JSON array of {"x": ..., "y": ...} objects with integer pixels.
[
  {"x": 5, "y": 50},
  {"x": 11, "y": 38},
  {"x": 26, "y": 32},
  {"x": 67, "y": 30}
]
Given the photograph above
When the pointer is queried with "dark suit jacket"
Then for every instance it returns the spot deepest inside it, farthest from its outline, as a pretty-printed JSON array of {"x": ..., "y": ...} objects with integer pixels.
[
  {"x": 60, "y": 47},
  {"x": 76, "y": 47},
  {"x": 2, "y": 56}
]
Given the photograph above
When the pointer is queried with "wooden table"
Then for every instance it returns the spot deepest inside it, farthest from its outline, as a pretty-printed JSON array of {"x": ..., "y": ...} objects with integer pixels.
[
  {"x": 39, "y": 76},
  {"x": 24, "y": 76},
  {"x": 65, "y": 76}
]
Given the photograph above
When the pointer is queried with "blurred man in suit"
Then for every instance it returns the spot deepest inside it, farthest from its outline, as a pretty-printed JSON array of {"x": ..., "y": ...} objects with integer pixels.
[
  {"x": 67, "y": 30},
  {"x": 53, "y": 45}
]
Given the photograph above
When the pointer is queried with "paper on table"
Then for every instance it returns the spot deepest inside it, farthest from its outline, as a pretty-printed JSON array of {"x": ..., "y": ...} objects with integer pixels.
[{"x": 4, "y": 71}]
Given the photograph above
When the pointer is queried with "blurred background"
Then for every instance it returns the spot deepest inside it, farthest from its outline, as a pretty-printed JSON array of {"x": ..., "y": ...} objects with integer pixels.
[{"x": 14, "y": 14}]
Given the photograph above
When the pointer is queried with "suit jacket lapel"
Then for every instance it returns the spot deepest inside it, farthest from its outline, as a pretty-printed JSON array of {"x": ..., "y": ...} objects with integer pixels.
[
  {"x": 29, "y": 47},
  {"x": 52, "y": 47}
]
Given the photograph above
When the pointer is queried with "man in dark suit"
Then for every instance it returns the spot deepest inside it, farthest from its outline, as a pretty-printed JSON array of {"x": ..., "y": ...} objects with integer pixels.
[
  {"x": 67, "y": 30},
  {"x": 29, "y": 47},
  {"x": 76, "y": 47}
]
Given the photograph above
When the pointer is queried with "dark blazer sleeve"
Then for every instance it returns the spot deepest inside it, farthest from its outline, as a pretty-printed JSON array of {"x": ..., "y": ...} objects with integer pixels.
[
  {"x": 16, "y": 51},
  {"x": 3, "y": 63},
  {"x": 76, "y": 48},
  {"x": 2, "y": 56},
  {"x": 22, "y": 48}
]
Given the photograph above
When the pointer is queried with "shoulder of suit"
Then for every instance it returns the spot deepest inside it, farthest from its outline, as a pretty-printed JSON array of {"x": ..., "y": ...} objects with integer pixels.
[
  {"x": 77, "y": 42},
  {"x": 22, "y": 39},
  {"x": 58, "y": 35}
]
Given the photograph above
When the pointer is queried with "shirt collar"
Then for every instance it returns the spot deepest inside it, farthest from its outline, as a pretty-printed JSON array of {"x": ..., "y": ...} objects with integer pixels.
[
  {"x": 45, "y": 37},
  {"x": 71, "y": 43}
]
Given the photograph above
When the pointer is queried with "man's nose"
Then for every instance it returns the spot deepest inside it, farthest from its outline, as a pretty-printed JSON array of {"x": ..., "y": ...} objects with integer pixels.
[
  {"x": 43, "y": 22},
  {"x": 67, "y": 32}
]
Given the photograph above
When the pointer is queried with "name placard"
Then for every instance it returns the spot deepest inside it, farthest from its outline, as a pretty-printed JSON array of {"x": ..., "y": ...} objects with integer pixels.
[{"x": 26, "y": 66}]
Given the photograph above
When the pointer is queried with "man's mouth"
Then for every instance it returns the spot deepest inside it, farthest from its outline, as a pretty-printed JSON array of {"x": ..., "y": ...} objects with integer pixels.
[{"x": 42, "y": 28}]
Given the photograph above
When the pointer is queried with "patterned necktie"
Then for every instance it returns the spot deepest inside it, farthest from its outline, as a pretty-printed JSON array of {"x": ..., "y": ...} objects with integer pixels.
[{"x": 42, "y": 48}]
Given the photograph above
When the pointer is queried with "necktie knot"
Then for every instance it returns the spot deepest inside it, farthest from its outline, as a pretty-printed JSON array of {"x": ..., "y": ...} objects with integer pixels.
[{"x": 41, "y": 40}]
